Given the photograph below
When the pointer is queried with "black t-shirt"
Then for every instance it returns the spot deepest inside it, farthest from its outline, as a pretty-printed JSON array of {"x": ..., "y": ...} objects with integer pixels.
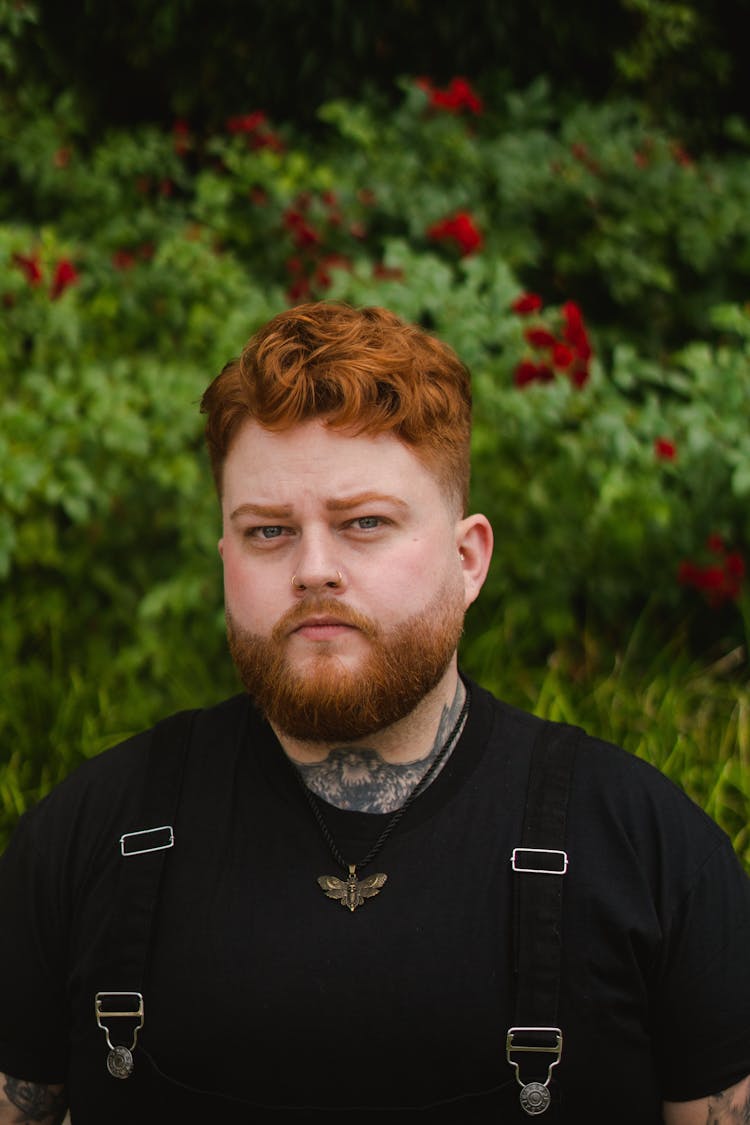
[{"x": 263, "y": 994}]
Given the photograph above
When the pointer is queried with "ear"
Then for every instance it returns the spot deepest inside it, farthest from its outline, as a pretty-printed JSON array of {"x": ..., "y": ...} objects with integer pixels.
[
  {"x": 474, "y": 541},
  {"x": 220, "y": 545}
]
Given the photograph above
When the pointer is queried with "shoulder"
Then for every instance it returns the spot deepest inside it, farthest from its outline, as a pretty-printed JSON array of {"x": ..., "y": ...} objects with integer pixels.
[
  {"x": 621, "y": 807},
  {"x": 101, "y": 796}
]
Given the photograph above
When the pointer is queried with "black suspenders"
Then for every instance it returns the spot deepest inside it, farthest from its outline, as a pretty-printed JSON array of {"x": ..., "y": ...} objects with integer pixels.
[
  {"x": 120, "y": 1011},
  {"x": 540, "y": 864}
]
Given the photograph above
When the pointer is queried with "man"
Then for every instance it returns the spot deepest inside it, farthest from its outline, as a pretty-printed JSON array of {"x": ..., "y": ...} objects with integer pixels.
[{"x": 363, "y": 886}]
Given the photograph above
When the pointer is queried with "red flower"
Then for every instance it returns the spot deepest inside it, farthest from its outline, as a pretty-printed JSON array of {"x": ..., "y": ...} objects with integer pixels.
[
  {"x": 458, "y": 95},
  {"x": 664, "y": 449},
  {"x": 680, "y": 155},
  {"x": 562, "y": 356},
  {"x": 539, "y": 338},
  {"x": 574, "y": 332},
  {"x": 30, "y": 266},
  {"x": 734, "y": 564},
  {"x": 246, "y": 122},
  {"x": 387, "y": 273},
  {"x": 302, "y": 233},
  {"x": 579, "y": 376},
  {"x": 719, "y": 582},
  {"x": 459, "y": 228},
  {"x": 181, "y": 137},
  {"x": 65, "y": 274},
  {"x": 581, "y": 153},
  {"x": 527, "y": 303},
  {"x": 123, "y": 259},
  {"x": 253, "y": 126},
  {"x": 322, "y": 276},
  {"x": 528, "y": 372}
]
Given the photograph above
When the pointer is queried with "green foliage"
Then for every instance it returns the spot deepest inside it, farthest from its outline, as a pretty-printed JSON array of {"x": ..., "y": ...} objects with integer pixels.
[{"x": 613, "y": 457}]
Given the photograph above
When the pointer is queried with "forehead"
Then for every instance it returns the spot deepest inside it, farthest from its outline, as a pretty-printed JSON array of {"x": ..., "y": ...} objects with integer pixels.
[{"x": 320, "y": 459}]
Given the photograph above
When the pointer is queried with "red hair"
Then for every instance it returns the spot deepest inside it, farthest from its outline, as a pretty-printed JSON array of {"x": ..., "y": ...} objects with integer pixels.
[{"x": 364, "y": 370}]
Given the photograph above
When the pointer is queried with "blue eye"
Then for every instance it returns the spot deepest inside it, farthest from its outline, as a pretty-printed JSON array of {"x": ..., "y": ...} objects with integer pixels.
[
  {"x": 368, "y": 521},
  {"x": 273, "y": 531}
]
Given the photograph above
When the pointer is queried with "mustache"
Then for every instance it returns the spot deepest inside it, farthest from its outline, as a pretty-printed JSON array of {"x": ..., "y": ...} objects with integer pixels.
[{"x": 323, "y": 607}]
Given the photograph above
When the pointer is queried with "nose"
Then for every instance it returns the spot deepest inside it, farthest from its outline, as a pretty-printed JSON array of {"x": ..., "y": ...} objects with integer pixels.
[
  {"x": 317, "y": 568},
  {"x": 331, "y": 583}
]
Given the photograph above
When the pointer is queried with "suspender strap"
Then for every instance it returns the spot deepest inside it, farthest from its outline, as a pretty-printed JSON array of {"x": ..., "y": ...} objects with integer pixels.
[
  {"x": 540, "y": 868},
  {"x": 119, "y": 1008}
]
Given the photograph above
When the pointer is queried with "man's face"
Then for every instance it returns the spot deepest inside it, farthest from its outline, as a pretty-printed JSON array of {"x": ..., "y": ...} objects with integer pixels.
[{"x": 371, "y": 622}]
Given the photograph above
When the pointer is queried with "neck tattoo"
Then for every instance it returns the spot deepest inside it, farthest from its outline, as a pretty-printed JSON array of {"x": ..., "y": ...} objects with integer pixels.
[{"x": 352, "y": 892}]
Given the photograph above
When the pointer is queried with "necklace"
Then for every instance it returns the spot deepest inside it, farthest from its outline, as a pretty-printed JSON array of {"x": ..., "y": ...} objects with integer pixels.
[{"x": 352, "y": 892}]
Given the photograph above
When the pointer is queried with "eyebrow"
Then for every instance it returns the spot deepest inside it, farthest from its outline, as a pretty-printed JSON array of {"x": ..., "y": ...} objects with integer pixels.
[{"x": 344, "y": 504}]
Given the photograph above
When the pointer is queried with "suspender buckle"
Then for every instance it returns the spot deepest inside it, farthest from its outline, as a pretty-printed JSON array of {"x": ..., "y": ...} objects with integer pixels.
[
  {"x": 539, "y": 861},
  {"x": 114, "y": 1006},
  {"x": 535, "y": 1096},
  {"x": 147, "y": 840}
]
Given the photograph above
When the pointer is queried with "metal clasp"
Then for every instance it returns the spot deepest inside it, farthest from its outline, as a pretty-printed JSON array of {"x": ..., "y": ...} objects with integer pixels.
[
  {"x": 103, "y": 1006},
  {"x": 522, "y": 855},
  {"x": 534, "y": 1044},
  {"x": 167, "y": 841}
]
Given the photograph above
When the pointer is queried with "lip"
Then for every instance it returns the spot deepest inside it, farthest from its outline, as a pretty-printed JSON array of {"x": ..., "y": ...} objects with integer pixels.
[{"x": 321, "y": 628}]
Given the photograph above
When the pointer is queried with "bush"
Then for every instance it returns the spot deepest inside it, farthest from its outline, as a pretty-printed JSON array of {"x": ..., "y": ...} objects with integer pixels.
[{"x": 610, "y": 447}]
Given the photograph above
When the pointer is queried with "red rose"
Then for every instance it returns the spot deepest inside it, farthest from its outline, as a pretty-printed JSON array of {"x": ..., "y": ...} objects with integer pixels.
[
  {"x": 181, "y": 137},
  {"x": 527, "y": 372},
  {"x": 458, "y": 95},
  {"x": 734, "y": 565},
  {"x": 665, "y": 449},
  {"x": 123, "y": 259},
  {"x": 65, "y": 274},
  {"x": 562, "y": 356},
  {"x": 246, "y": 122},
  {"x": 574, "y": 331},
  {"x": 30, "y": 267},
  {"x": 527, "y": 303},
  {"x": 539, "y": 338},
  {"x": 459, "y": 228}
]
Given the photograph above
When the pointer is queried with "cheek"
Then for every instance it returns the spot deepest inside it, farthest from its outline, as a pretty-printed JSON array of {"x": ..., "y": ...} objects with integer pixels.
[{"x": 250, "y": 593}]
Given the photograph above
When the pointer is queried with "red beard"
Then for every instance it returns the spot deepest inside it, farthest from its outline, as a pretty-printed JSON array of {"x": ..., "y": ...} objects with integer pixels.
[{"x": 328, "y": 702}]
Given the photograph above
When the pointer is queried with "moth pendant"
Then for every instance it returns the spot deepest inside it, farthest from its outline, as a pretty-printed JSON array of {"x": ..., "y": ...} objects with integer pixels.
[{"x": 351, "y": 892}]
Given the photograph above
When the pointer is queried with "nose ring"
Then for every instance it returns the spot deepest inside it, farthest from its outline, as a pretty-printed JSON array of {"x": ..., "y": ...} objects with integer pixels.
[{"x": 334, "y": 582}]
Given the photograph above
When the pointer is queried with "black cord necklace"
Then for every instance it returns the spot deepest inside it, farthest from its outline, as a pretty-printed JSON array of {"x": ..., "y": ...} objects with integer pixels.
[{"x": 352, "y": 892}]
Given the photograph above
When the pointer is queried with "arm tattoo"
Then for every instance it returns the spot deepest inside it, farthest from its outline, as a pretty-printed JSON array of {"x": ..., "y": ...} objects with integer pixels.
[
  {"x": 730, "y": 1107},
  {"x": 35, "y": 1101}
]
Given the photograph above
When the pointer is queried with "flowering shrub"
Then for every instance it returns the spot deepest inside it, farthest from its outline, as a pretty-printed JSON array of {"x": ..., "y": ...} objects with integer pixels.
[
  {"x": 566, "y": 350},
  {"x": 135, "y": 267}
]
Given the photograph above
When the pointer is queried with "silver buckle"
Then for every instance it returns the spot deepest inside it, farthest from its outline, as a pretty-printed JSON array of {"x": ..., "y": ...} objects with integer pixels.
[
  {"x": 110, "y": 1006},
  {"x": 139, "y": 850},
  {"x": 559, "y": 870},
  {"x": 120, "y": 1012},
  {"x": 535, "y": 1097}
]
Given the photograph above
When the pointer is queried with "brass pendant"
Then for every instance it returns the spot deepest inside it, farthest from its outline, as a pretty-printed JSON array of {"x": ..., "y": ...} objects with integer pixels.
[{"x": 351, "y": 892}]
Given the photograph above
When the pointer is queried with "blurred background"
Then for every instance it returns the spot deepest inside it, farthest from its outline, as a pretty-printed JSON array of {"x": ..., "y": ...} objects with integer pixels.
[{"x": 565, "y": 200}]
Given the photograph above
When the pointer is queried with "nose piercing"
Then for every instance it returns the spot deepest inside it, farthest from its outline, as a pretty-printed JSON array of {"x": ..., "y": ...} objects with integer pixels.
[{"x": 331, "y": 582}]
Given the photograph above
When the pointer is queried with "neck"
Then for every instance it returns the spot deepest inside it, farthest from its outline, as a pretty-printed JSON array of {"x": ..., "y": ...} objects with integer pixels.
[{"x": 376, "y": 775}]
